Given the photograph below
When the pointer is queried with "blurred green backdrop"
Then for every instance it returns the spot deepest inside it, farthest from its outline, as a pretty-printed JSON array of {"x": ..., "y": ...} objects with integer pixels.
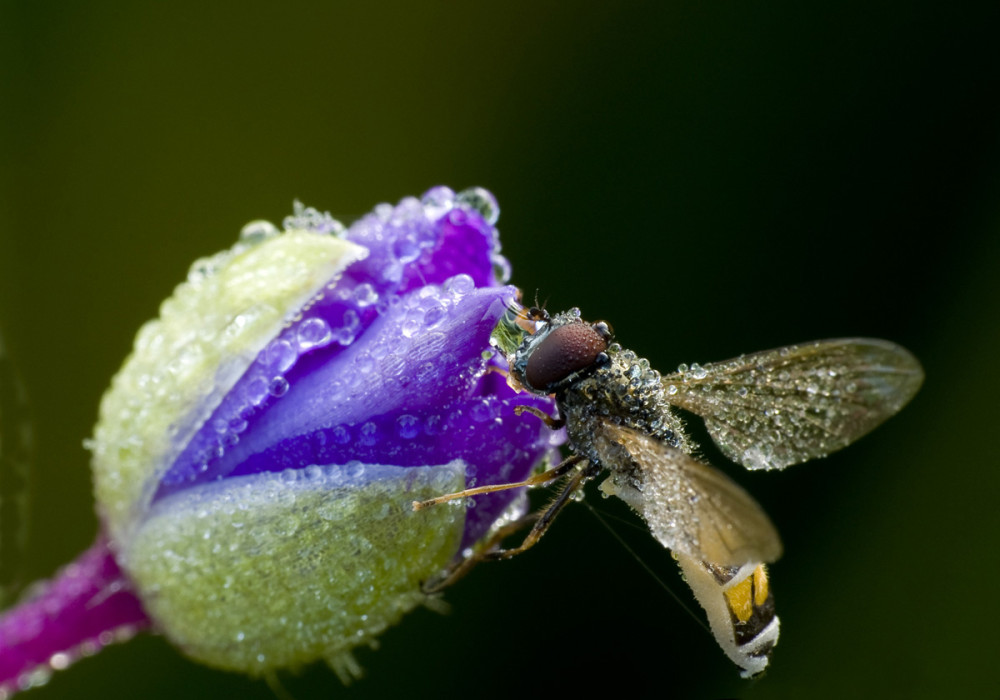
[{"x": 712, "y": 178}]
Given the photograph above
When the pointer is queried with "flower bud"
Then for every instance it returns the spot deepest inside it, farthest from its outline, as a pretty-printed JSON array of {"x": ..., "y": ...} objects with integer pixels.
[{"x": 257, "y": 454}]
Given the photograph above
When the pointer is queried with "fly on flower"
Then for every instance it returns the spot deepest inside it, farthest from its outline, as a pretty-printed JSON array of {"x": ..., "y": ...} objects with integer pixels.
[{"x": 767, "y": 410}]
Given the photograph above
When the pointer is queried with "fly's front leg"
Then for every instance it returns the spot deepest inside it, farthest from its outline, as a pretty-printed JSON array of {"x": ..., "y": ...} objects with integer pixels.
[{"x": 553, "y": 423}]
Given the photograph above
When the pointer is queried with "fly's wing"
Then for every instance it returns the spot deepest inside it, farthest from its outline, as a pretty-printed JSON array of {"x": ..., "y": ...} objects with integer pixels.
[
  {"x": 780, "y": 407},
  {"x": 15, "y": 441},
  {"x": 690, "y": 507},
  {"x": 719, "y": 535}
]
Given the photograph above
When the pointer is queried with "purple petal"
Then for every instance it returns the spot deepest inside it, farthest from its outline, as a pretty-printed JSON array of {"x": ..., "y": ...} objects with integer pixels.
[{"x": 386, "y": 367}]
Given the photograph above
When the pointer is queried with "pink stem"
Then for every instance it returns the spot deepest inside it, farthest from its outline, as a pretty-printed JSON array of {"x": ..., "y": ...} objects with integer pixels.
[{"x": 88, "y": 605}]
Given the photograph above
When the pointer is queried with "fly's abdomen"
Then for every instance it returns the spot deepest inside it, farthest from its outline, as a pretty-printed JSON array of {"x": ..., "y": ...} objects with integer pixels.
[{"x": 740, "y": 609}]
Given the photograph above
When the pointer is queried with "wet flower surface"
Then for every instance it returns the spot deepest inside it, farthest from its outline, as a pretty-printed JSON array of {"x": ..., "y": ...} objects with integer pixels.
[{"x": 257, "y": 454}]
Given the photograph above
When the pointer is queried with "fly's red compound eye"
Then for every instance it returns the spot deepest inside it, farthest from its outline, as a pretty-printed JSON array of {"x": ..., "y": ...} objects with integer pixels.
[{"x": 567, "y": 349}]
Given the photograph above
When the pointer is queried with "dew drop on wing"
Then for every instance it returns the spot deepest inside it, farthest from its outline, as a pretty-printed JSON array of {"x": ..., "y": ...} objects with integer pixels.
[{"x": 802, "y": 401}]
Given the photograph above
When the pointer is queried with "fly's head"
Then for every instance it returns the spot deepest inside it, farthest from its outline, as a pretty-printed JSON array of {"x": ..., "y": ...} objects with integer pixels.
[{"x": 555, "y": 352}]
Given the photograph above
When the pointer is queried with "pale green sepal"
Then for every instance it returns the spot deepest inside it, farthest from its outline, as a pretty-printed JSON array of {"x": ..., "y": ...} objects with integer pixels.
[{"x": 276, "y": 570}]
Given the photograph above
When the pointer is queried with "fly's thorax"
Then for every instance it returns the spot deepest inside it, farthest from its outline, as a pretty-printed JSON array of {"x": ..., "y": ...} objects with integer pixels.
[{"x": 625, "y": 391}]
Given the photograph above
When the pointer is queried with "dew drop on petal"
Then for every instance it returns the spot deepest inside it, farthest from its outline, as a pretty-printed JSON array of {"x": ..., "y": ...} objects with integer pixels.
[
  {"x": 459, "y": 285},
  {"x": 433, "y": 425},
  {"x": 437, "y": 201},
  {"x": 411, "y": 327},
  {"x": 481, "y": 201},
  {"x": 368, "y": 434},
  {"x": 256, "y": 391},
  {"x": 280, "y": 355},
  {"x": 407, "y": 427},
  {"x": 340, "y": 435},
  {"x": 313, "y": 332},
  {"x": 406, "y": 249},
  {"x": 501, "y": 268},
  {"x": 483, "y": 411},
  {"x": 278, "y": 386},
  {"x": 365, "y": 294},
  {"x": 349, "y": 327}
]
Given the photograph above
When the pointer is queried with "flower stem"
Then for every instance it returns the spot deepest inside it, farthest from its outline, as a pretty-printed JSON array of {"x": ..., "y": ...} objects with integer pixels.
[{"x": 88, "y": 605}]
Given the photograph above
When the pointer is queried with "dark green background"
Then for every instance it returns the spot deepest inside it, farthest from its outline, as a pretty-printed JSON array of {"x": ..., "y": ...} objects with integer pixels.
[{"x": 712, "y": 178}]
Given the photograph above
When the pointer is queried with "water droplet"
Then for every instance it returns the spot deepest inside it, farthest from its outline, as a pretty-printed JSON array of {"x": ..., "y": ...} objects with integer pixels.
[
  {"x": 311, "y": 219},
  {"x": 434, "y": 312},
  {"x": 392, "y": 271},
  {"x": 433, "y": 425},
  {"x": 278, "y": 387},
  {"x": 348, "y": 330},
  {"x": 313, "y": 332},
  {"x": 501, "y": 268},
  {"x": 481, "y": 201},
  {"x": 313, "y": 472},
  {"x": 408, "y": 427},
  {"x": 411, "y": 327},
  {"x": 256, "y": 391},
  {"x": 459, "y": 285},
  {"x": 698, "y": 372},
  {"x": 437, "y": 201},
  {"x": 279, "y": 355},
  {"x": 406, "y": 249},
  {"x": 458, "y": 217},
  {"x": 60, "y": 661},
  {"x": 257, "y": 231},
  {"x": 340, "y": 435},
  {"x": 368, "y": 435},
  {"x": 483, "y": 411},
  {"x": 365, "y": 294}
]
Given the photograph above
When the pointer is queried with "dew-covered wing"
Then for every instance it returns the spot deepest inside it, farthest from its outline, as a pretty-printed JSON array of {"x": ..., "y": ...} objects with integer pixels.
[
  {"x": 689, "y": 506},
  {"x": 780, "y": 407}
]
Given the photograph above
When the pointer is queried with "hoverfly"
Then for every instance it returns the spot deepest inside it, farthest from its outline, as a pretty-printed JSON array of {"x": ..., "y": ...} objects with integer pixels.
[{"x": 765, "y": 410}]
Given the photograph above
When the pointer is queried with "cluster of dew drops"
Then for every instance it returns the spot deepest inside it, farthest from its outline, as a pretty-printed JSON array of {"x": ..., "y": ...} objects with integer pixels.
[{"x": 405, "y": 228}]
